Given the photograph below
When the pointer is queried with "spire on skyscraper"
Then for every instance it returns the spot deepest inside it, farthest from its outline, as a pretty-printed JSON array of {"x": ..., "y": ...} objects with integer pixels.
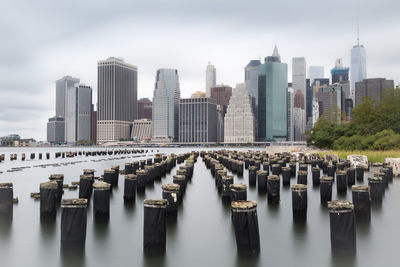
[{"x": 276, "y": 53}]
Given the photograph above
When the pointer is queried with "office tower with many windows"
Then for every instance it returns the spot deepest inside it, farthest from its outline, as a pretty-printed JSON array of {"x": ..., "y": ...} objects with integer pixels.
[
  {"x": 374, "y": 88},
  {"x": 165, "y": 107},
  {"x": 116, "y": 99},
  {"x": 78, "y": 118},
  {"x": 290, "y": 106},
  {"x": 198, "y": 119},
  {"x": 144, "y": 108},
  {"x": 272, "y": 99}
]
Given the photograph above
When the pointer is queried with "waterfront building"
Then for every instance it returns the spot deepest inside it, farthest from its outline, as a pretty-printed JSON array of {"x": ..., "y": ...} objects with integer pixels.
[
  {"x": 198, "y": 119},
  {"x": 116, "y": 99},
  {"x": 62, "y": 86},
  {"x": 220, "y": 124},
  {"x": 141, "y": 130},
  {"x": 56, "y": 130},
  {"x": 239, "y": 126},
  {"x": 211, "y": 78},
  {"x": 165, "y": 113},
  {"x": 144, "y": 108},
  {"x": 78, "y": 118},
  {"x": 315, "y": 112},
  {"x": 251, "y": 78},
  {"x": 272, "y": 99},
  {"x": 374, "y": 88}
]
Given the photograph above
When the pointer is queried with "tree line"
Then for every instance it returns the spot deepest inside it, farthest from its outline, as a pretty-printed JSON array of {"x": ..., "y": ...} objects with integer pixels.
[{"x": 374, "y": 125}]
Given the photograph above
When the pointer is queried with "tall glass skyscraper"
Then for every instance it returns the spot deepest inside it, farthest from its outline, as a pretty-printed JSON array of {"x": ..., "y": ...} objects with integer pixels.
[
  {"x": 272, "y": 99},
  {"x": 299, "y": 75},
  {"x": 116, "y": 99},
  {"x": 166, "y": 105},
  {"x": 211, "y": 78},
  {"x": 358, "y": 65}
]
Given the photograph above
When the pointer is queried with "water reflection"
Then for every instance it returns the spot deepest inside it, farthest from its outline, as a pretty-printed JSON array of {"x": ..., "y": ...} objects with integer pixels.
[
  {"x": 72, "y": 256},
  {"x": 247, "y": 260},
  {"x": 5, "y": 228},
  {"x": 153, "y": 260},
  {"x": 299, "y": 231},
  {"x": 101, "y": 230},
  {"x": 47, "y": 229},
  {"x": 343, "y": 259}
]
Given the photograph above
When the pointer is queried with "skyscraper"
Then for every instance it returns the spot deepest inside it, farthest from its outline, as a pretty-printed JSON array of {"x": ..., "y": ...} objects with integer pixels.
[
  {"x": 239, "y": 118},
  {"x": 339, "y": 73},
  {"x": 251, "y": 78},
  {"x": 116, "y": 99},
  {"x": 290, "y": 106},
  {"x": 222, "y": 93},
  {"x": 198, "y": 119},
  {"x": 358, "y": 64},
  {"x": 62, "y": 86},
  {"x": 299, "y": 124},
  {"x": 316, "y": 72},
  {"x": 211, "y": 78},
  {"x": 78, "y": 117},
  {"x": 166, "y": 105},
  {"x": 299, "y": 99},
  {"x": 272, "y": 99},
  {"x": 299, "y": 75}
]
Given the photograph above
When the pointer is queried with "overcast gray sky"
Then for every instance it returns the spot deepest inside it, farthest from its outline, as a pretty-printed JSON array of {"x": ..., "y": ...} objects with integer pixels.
[{"x": 41, "y": 41}]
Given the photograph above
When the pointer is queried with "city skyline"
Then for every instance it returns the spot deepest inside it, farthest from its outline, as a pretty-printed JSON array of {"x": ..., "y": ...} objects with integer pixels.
[{"x": 30, "y": 63}]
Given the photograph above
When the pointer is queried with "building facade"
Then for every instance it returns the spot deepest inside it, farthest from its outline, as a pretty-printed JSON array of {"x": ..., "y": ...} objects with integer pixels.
[
  {"x": 290, "y": 106},
  {"x": 299, "y": 123},
  {"x": 62, "y": 86},
  {"x": 165, "y": 113},
  {"x": 94, "y": 125},
  {"x": 374, "y": 88},
  {"x": 116, "y": 99},
  {"x": 222, "y": 93},
  {"x": 239, "y": 123},
  {"x": 299, "y": 99},
  {"x": 78, "y": 119},
  {"x": 56, "y": 130},
  {"x": 251, "y": 78},
  {"x": 198, "y": 120},
  {"x": 272, "y": 99},
  {"x": 144, "y": 108},
  {"x": 211, "y": 78},
  {"x": 299, "y": 76},
  {"x": 331, "y": 102},
  {"x": 141, "y": 130}
]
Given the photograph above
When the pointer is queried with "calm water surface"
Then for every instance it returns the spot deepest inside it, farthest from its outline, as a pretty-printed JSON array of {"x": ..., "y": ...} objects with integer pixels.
[{"x": 203, "y": 234}]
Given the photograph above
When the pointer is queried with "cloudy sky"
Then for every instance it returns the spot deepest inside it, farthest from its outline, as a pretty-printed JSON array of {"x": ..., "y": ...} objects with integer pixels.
[{"x": 41, "y": 41}]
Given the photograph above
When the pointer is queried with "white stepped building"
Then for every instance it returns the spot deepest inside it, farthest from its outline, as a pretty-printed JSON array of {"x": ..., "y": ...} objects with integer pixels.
[{"x": 239, "y": 119}]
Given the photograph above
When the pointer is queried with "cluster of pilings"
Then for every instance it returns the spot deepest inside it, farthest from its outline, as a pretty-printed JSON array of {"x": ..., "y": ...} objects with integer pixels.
[
  {"x": 265, "y": 171},
  {"x": 137, "y": 175},
  {"x": 72, "y": 154},
  {"x": 157, "y": 212}
]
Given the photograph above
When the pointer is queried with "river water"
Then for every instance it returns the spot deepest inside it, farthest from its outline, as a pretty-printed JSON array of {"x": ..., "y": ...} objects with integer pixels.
[{"x": 203, "y": 234}]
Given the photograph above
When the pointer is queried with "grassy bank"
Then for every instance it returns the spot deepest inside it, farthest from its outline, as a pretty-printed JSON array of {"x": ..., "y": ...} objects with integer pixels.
[{"x": 373, "y": 155}]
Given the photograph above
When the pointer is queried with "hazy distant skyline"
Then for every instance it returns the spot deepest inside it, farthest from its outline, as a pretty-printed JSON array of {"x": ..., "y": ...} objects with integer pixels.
[{"x": 46, "y": 40}]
